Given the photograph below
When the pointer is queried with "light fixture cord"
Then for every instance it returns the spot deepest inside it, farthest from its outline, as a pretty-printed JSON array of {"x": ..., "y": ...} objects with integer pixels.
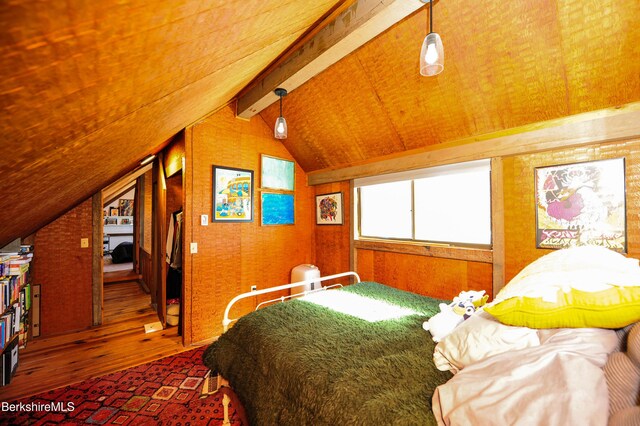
[
  {"x": 430, "y": 16},
  {"x": 280, "y": 105}
]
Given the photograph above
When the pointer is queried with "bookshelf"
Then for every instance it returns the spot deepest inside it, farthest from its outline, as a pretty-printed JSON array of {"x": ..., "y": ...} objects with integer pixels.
[{"x": 15, "y": 308}]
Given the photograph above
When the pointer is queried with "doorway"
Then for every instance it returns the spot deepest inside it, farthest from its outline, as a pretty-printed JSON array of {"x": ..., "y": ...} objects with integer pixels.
[{"x": 118, "y": 235}]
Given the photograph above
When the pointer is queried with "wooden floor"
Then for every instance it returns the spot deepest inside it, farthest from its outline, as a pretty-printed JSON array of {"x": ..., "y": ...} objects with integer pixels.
[
  {"x": 49, "y": 363},
  {"x": 119, "y": 276}
]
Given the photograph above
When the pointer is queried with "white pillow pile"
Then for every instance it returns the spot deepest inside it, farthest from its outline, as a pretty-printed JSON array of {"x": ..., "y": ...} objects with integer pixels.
[{"x": 478, "y": 338}]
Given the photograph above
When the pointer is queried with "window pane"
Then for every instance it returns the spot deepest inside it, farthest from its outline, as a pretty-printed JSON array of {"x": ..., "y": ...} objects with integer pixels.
[
  {"x": 454, "y": 208},
  {"x": 385, "y": 210}
]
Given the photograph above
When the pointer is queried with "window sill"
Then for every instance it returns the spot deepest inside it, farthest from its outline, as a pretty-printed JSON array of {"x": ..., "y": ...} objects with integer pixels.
[{"x": 422, "y": 249}]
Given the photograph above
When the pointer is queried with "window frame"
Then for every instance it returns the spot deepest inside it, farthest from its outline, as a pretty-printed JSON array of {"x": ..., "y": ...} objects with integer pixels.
[{"x": 411, "y": 176}]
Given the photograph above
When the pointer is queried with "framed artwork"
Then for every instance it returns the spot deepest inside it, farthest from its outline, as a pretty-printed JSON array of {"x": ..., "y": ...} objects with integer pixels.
[
  {"x": 329, "y": 209},
  {"x": 126, "y": 207},
  {"x": 232, "y": 195},
  {"x": 277, "y": 173},
  {"x": 111, "y": 221},
  {"x": 581, "y": 204},
  {"x": 125, "y": 221},
  {"x": 113, "y": 211},
  {"x": 277, "y": 209}
]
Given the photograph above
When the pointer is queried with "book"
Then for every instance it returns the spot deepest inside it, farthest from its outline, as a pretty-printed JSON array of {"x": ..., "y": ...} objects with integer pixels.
[{"x": 9, "y": 362}]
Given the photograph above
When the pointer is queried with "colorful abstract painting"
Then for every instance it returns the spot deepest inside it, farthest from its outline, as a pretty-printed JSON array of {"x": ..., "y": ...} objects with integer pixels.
[
  {"x": 232, "y": 195},
  {"x": 126, "y": 207},
  {"x": 580, "y": 204},
  {"x": 277, "y": 209},
  {"x": 277, "y": 173},
  {"x": 329, "y": 209}
]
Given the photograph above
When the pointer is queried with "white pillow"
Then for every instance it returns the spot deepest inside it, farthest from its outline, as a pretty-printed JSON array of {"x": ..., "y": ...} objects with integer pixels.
[
  {"x": 478, "y": 338},
  {"x": 584, "y": 268}
]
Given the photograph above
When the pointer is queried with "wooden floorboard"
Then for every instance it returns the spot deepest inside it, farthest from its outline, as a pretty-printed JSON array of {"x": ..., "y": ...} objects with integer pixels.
[
  {"x": 119, "y": 276},
  {"x": 56, "y": 361}
]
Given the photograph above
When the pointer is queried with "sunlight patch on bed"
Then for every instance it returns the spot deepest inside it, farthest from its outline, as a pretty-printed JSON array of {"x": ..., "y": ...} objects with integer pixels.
[{"x": 358, "y": 306}]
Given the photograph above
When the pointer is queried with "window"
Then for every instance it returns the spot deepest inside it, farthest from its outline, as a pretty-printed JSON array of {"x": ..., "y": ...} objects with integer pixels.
[{"x": 447, "y": 204}]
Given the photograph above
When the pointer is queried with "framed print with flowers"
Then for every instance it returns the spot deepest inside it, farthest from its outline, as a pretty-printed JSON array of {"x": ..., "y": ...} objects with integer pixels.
[
  {"x": 329, "y": 209},
  {"x": 581, "y": 204}
]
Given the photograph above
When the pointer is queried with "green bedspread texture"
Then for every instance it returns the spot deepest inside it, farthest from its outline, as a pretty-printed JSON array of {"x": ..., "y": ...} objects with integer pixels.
[{"x": 299, "y": 363}]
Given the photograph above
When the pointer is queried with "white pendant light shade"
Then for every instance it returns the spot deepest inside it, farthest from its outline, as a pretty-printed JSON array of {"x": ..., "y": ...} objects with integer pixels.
[
  {"x": 431, "y": 55},
  {"x": 280, "y": 129}
]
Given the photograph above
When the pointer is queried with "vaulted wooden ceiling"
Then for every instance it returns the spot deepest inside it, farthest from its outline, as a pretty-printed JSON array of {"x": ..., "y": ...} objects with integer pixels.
[
  {"x": 507, "y": 64},
  {"x": 90, "y": 88}
]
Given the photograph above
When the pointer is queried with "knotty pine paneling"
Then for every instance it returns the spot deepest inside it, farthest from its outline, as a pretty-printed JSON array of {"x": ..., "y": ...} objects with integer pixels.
[
  {"x": 519, "y": 197},
  {"x": 332, "y": 241},
  {"x": 64, "y": 271},
  {"x": 233, "y": 256},
  {"x": 431, "y": 276}
]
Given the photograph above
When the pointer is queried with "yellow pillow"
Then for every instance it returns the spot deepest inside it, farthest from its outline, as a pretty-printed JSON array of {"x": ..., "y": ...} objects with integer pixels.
[{"x": 615, "y": 307}]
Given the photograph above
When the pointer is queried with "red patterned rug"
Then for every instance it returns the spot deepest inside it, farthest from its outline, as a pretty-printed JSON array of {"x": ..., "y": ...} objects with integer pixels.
[{"x": 163, "y": 392}]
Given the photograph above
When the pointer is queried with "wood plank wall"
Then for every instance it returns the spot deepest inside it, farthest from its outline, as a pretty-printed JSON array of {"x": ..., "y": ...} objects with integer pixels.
[
  {"x": 431, "y": 276},
  {"x": 332, "y": 241},
  {"x": 146, "y": 271},
  {"x": 233, "y": 256},
  {"x": 147, "y": 201},
  {"x": 519, "y": 205},
  {"x": 64, "y": 270}
]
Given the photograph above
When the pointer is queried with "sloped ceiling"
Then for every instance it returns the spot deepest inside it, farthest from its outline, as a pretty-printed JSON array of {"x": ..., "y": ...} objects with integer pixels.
[
  {"x": 89, "y": 88},
  {"x": 507, "y": 64}
]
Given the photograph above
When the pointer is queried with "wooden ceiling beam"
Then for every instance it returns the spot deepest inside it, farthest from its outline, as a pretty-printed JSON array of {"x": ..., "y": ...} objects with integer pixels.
[
  {"x": 359, "y": 23},
  {"x": 607, "y": 125},
  {"x": 125, "y": 182}
]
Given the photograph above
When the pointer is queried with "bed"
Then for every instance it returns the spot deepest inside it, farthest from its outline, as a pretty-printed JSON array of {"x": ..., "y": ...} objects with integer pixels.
[
  {"x": 304, "y": 362},
  {"x": 549, "y": 349}
]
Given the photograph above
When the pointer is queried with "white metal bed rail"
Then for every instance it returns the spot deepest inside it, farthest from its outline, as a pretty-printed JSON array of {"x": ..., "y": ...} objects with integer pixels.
[{"x": 226, "y": 321}]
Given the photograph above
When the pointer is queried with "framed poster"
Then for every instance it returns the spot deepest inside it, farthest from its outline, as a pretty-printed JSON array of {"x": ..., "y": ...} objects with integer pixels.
[
  {"x": 581, "y": 204},
  {"x": 113, "y": 211},
  {"x": 277, "y": 173},
  {"x": 329, "y": 209},
  {"x": 277, "y": 209},
  {"x": 126, "y": 207},
  {"x": 232, "y": 195}
]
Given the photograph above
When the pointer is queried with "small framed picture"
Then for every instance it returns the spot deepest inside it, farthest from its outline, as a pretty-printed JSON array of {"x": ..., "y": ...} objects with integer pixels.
[
  {"x": 125, "y": 221},
  {"x": 126, "y": 207},
  {"x": 329, "y": 209},
  {"x": 232, "y": 195},
  {"x": 113, "y": 211},
  {"x": 277, "y": 209},
  {"x": 277, "y": 173},
  {"x": 111, "y": 221}
]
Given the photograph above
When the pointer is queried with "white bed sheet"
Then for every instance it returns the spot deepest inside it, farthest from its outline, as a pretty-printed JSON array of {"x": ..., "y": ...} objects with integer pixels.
[{"x": 559, "y": 383}]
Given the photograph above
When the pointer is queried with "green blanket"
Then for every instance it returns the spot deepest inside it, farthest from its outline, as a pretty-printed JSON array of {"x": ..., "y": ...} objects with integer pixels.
[{"x": 299, "y": 362}]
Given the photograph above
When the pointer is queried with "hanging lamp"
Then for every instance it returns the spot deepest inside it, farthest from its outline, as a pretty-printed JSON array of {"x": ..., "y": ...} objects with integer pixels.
[
  {"x": 280, "y": 129},
  {"x": 432, "y": 53}
]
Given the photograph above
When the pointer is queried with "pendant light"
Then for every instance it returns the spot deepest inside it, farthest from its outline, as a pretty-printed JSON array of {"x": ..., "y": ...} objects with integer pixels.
[
  {"x": 432, "y": 53},
  {"x": 280, "y": 129}
]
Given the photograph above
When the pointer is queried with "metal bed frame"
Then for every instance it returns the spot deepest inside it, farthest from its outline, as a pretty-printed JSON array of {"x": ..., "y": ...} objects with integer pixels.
[
  {"x": 226, "y": 321},
  {"x": 208, "y": 386}
]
